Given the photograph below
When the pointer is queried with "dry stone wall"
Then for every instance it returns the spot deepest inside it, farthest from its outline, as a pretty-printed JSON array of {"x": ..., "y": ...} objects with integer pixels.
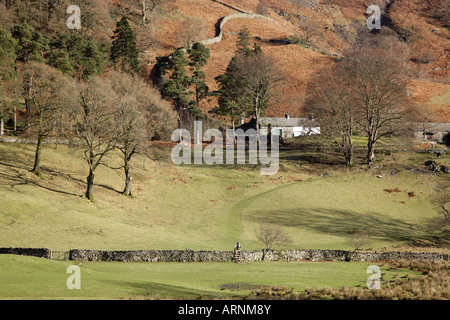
[
  {"x": 258, "y": 255},
  {"x": 152, "y": 255},
  {"x": 35, "y": 252},
  {"x": 227, "y": 256},
  {"x": 224, "y": 20}
]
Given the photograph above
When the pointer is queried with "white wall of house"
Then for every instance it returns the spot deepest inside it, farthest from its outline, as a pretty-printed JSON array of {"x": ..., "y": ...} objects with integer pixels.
[{"x": 291, "y": 132}]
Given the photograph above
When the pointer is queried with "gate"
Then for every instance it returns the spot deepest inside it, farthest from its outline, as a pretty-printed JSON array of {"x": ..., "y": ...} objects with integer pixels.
[{"x": 60, "y": 255}]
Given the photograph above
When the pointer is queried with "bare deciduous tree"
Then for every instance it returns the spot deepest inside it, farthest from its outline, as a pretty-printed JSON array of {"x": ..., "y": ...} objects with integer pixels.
[
  {"x": 332, "y": 104},
  {"x": 271, "y": 235},
  {"x": 192, "y": 30},
  {"x": 441, "y": 200},
  {"x": 147, "y": 36},
  {"x": 95, "y": 125},
  {"x": 309, "y": 29},
  {"x": 357, "y": 239},
  {"x": 149, "y": 5},
  {"x": 379, "y": 84},
  {"x": 15, "y": 93},
  {"x": 258, "y": 75},
  {"x": 364, "y": 91},
  {"x": 6, "y": 16},
  {"x": 140, "y": 115},
  {"x": 44, "y": 88},
  {"x": 262, "y": 8},
  {"x": 442, "y": 11},
  {"x": 426, "y": 118}
]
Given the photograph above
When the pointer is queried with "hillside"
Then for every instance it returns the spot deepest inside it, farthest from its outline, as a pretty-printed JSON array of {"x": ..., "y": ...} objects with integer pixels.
[
  {"x": 430, "y": 81},
  {"x": 206, "y": 207},
  {"x": 421, "y": 35}
]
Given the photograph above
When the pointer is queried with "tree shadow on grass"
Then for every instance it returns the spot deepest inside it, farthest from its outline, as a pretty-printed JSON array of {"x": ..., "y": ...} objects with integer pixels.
[
  {"x": 16, "y": 175},
  {"x": 312, "y": 158},
  {"x": 341, "y": 222}
]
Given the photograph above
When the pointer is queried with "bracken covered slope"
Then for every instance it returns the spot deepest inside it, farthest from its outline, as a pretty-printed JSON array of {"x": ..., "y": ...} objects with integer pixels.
[{"x": 413, "y": 20}]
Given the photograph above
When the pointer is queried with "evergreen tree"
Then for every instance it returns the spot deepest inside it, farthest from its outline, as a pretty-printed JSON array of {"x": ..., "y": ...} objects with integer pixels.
[
  {"x": 32, "y": 45},
  {"x": 7, "y": 68},
  {"x": 198, "y": 55},
  {"x": 123, "y": 49},
  {"x": 8, "y": 55},
  {"x": 228, "y": 99},
  {"x": 83, "y": 54},
  {"x": 244, "y": 42},
  {"x": 176, "y": 87},
  {"x": 230, "y": 93},
  {"x": 87, "y": 58},
  {"x": 59, "y": 59},
  {"x": 249, "y": 79}
]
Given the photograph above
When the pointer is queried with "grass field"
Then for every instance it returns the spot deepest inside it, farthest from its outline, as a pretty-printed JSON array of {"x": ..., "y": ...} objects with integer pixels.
[
  {"x": 201, "y": 207},
  {"x": 35, "y": 278},
  {"x": 204, "y": 207}
]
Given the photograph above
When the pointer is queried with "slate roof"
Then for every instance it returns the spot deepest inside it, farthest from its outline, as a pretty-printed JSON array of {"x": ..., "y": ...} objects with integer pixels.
[
  {"x": 432, "y": 127},
  {"x": 288, "y": 122}
]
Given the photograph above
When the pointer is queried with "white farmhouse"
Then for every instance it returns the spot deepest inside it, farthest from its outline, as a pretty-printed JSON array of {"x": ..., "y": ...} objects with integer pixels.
[{"x": 288, "y": 127}]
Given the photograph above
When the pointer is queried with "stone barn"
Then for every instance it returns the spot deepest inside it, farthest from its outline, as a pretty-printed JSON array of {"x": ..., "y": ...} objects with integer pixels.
[{"x": 434, "y": 132}]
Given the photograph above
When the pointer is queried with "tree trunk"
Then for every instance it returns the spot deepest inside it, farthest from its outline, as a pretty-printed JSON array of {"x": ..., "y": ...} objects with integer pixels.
[
  {"x": 349, "y": 156},
  {"x": 128, "y": 178},
  {"x": 37, "y": 155},
  {"x": 15, "y": 119},
  {"x": 348, "y": 145},
  {"x": 144, "y": 12},
  {"x": 371, "y": 152},
  {"x": 234, "y": 133},
  {"x": 257, "y": 113},
  {"x": 90, "y": 185},
  {"x": 2, "y": 127},
  {"x": 27, "y": 113}
]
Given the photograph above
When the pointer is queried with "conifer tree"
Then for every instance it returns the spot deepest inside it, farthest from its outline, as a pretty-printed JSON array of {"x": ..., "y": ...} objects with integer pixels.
[
  {"x": 247, "y": 85},
  {"x": 123, "y": 48},
  {"x": 176, "y": 87},
  {"x": 32, "y": 45},
  {"x": 8, "y": 56},
  {"x": 228, "y": 99},
  {"x": 59, "y": 59},
  {"x": 198, "y": 56},
  {"x": 7, "y": 67},
  {"x": 83, "y": 54},
  {"x": 244, "y": 42}
]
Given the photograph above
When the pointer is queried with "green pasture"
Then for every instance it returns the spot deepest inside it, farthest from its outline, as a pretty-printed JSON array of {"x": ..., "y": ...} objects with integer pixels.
[
  {"x": 315, "y": 200},
  {"x": 207, "y": 207},
  {"x": 35, "y": 278}
]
